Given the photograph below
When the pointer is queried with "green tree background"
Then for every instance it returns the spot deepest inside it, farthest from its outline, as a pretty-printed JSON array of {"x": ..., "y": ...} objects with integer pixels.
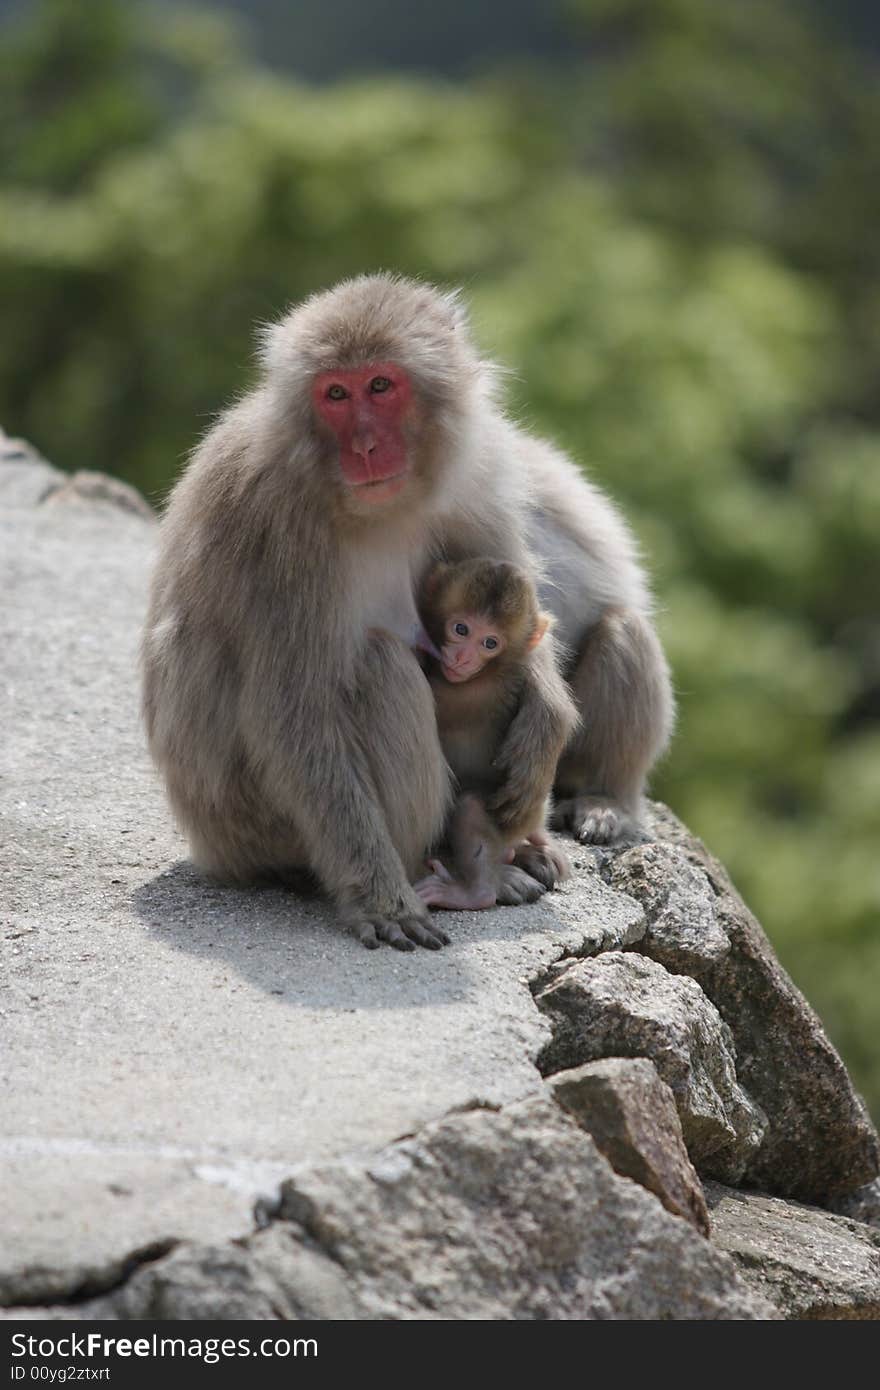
[{"x": 670, "y": 238}]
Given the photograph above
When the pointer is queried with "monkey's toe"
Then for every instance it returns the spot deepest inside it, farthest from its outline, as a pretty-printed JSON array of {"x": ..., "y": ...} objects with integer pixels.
[
  {"x": 404, "y": 934},
  {"x": 435, "y": 891},
  {"x": 547, "y": 866},
  {"x": 424, "y": 932},
  {"x": 598, "y": 828},
  {"x": 444, "y": 893},
  {"x": 392, "y": 933},
  {"x": 517, "y": 887},
  {"x": 594, "y": 820},
  {"x": 366, "y": 935}
]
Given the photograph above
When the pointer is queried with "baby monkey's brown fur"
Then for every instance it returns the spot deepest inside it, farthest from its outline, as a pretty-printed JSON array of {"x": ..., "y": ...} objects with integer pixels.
[{"x": 484, "y": 619}]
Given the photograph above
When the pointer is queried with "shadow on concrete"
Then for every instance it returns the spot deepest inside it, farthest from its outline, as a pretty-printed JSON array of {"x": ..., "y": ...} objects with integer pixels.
[{"x": 291, "y": 945}]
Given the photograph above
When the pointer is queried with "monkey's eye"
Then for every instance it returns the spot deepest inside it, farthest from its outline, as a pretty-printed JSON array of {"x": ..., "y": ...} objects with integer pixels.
[
  {"x": 379, "y": 384},
  {"x": 490, "y": 643},
  {"x": 461, "y": 629},
  {"x": 336, "y": 392}
]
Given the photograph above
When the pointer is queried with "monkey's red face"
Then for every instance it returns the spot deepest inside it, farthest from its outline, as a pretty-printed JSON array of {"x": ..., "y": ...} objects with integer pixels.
[
  {"x": 469, "y": 643},
  {"x": 370, "y": 412}
]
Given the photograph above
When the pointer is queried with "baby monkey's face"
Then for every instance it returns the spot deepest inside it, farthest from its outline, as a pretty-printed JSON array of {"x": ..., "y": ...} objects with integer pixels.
[{"x": 470, "y": 640}]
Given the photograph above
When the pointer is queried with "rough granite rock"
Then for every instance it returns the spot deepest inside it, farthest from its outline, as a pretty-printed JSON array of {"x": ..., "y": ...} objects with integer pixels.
[
  {"x": 86, "y": 487},
  {"x": 809, "y": 1263},
  {"x": 861, "y": 1205},
  {"x": 140, "y": 1172},
  {"x": 510, "y": 1214},
  {"x": 25, "y": 476},
  {"x": 630, "y": 1113},
  {"x": 819, "y": 1139},
  {"x": 29, "y": 480},
  {"x": 627, "y": 1006}
]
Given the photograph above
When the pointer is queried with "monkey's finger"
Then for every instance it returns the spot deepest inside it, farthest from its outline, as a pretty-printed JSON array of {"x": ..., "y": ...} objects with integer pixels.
[
  {"x": 517, "y": 887},
  {"x": 545, "y": 864},
  {"x": 389, "y": 931},
  {"x": 366, "y": 935},
  {"x": 443, "y": 893},
  {"x": 440, "y": 870},
  {"x": 428, "y": 888},
  {"x": 371, "y": 931},
  {"x": 425, "y": 932}
]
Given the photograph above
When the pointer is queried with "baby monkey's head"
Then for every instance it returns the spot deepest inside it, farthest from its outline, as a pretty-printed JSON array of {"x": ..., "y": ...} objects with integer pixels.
[{"x": 479, "y": 611}]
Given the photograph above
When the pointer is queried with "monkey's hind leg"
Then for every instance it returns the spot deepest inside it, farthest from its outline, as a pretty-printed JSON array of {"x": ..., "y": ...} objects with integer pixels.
[
  {"x": 622, "y": 688},
  {"x": 440, "y": 889},
  {"x": 483, "y": 874},
  {"x": 474, "y": 849}
]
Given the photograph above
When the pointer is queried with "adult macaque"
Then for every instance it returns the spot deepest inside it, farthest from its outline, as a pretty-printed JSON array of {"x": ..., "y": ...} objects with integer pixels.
[
  {"x": 483, "y": 618},
  {"x": 291, "y": 734}
]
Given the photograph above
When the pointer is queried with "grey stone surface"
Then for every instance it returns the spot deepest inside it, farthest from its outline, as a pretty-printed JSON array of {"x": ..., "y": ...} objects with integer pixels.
[
  {"x": 819, "y": 1139},
  {"x": 25, "y": 477},
  {"x": 88, "y": 488},
  {"x": 861, "y": 1205},
  {"x": 168, "y": 1047},
  {"x": 509, "y": 1214},
  {"x": 808, "y": 1263},
  {"x": 630, "y": 1114},
  {"x": 171, "y": 1051},
  {"x": 624, "y": 1005}
]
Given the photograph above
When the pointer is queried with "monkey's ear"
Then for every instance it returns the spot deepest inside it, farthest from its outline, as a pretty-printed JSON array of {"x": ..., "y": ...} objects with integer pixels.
[
  {"x": 434, "y": 578},
  {"x": 540, "y": 630}
]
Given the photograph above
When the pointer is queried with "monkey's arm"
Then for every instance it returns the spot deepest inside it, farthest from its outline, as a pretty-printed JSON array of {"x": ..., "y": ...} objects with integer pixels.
[
  {"x": 543, "y": 724},
  {"x": 317, "y": 755}
]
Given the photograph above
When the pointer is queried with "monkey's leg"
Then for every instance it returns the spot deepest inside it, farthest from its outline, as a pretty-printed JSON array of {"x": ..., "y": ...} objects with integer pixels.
[
  {"x": 622, "y": 687},
  {"x": 482, "y": 857},
  {"x": 475, "y": 850},
  {"x": 483, "y": 873},
  {"x": 440, "y": 889},
  {"x": 395, "y": 714}
]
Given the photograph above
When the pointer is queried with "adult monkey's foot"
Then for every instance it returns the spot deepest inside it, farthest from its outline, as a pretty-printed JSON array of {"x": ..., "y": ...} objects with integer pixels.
[
  {"x": 403, "y": 932},
  {"x": 595, "y": 820}
]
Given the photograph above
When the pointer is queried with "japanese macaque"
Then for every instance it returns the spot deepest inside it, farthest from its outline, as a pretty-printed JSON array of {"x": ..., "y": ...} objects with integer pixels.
[
  {"x": 483, "y": 619},
  {"x": 284, "y": 705}
]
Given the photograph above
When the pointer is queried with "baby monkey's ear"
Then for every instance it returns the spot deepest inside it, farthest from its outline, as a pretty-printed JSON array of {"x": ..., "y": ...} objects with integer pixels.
[
  {"x": 540, "y": 629},
  {"x": 434, "y": 579}
]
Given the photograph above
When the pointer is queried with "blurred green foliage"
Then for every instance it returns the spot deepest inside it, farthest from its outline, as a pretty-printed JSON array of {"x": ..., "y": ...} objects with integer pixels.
[{"x": 673, "y": 244}]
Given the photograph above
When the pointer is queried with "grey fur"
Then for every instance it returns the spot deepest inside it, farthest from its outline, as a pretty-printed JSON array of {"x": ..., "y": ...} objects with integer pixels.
[{"x": 292, "y": 735}]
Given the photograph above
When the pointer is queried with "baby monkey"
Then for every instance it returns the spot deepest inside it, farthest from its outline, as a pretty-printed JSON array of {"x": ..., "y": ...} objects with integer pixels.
[{"x": 483, "y": 618}]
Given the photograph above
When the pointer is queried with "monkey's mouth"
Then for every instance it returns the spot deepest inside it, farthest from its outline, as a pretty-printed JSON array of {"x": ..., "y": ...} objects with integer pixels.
[
  {"x": 456, "y": 675},
  {"x": 377, "y": 489}
]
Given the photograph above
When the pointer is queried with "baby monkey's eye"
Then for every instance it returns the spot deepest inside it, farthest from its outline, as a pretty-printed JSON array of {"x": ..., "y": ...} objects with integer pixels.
[
  {"x": 490, "y": 643},
  {"x": 379, "y": 384},
  {"x": 461, "y": 629},
  {"x": 336, "y": 392}
]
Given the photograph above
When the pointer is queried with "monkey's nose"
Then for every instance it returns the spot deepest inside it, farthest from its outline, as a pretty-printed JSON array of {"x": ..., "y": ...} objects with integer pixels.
[{"x": 363, "y": 445}]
